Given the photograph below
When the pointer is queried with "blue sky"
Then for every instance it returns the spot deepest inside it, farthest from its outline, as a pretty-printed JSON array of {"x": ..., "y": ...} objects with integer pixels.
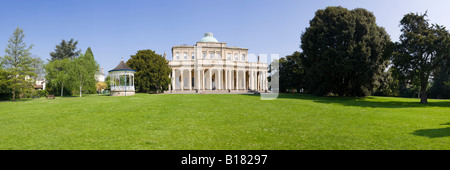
[{"x": 119, "y": 28}]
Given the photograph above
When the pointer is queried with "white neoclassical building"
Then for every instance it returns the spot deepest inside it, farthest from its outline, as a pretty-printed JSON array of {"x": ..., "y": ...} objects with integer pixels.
[{"x": 210, "y": 66}]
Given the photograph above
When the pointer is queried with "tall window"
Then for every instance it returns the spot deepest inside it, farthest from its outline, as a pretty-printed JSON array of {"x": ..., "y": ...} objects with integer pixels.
[
  {"x": 243, "y": 57},
  {"x": 177, "y": 55},
  {"x": 235, "y": 57},
  {"x": 219, "y": 56},
  {"x": 193, "y": 56},
  {"x": 228, "y": 56},
  {"x": 185, "y": 56},
  {"x": 211, "y": 55},
  {"x": 204, "y": 55}
]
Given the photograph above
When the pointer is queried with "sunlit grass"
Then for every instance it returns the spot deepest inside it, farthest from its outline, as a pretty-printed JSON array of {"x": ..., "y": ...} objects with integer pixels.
[{"x": 222, "y": 121}]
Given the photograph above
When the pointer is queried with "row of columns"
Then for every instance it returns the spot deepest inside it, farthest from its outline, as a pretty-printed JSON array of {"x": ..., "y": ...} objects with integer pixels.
[{"x": 224, "y": 79}]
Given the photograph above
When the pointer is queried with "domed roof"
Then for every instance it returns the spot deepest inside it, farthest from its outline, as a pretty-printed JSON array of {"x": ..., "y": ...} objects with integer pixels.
[
  {"x": 122, "y": 67},
  {"x": 208, "y": 38}
]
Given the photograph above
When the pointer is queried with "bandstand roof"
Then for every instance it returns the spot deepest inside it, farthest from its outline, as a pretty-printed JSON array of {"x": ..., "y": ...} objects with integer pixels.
[{"x": 122, "y": 67}]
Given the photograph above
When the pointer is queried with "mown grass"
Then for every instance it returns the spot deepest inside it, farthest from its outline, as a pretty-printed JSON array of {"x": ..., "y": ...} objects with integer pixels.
[{"x": 224, "y": 121}]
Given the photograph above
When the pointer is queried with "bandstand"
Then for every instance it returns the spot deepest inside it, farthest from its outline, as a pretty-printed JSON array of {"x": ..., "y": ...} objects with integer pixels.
[{"x": 122, "y": 80}]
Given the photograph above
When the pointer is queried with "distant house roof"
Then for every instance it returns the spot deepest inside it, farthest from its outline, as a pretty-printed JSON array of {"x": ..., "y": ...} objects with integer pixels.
[{"x": 122, "y": 67}]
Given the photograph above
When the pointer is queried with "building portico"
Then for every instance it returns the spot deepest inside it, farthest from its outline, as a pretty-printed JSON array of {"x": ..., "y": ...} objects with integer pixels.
[{"x": 211, "y": 66}]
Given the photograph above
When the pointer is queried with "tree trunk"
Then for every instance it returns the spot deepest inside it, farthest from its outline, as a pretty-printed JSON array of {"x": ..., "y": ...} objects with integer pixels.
[
  {"x": 62, "y": 88},
  {"x": 80, "y": 91},
  {"x": 423, "y": 94}
]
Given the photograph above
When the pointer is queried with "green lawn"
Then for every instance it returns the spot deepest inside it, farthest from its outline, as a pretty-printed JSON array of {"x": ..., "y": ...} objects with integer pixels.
[{"x": 227, "y": 121}]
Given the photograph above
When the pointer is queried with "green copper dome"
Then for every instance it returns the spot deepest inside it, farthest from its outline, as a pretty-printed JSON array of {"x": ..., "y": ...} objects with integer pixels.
[{"x": 208, "y": 38}]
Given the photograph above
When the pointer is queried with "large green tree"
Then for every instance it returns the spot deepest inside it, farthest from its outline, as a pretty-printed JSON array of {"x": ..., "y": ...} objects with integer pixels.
[
  {"x": 422, "y": 47},
  {"x": 4, "y": 90},
  {"x": 18, "y": 64},
  {"x": 441, "y": 77},
  {"x": 82, "y": 72},
  {"x": 66, "y": 49},
  {"x": 152, "y": 71},
  {"x": 57, "y": 74},
  {"x": 343, "y": 52},
  {"x": 291, "y": 77}
]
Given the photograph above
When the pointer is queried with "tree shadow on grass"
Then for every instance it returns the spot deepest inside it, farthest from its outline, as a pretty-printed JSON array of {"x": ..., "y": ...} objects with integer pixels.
[
  {"x": 434, "y": 133},
  {"x": 366, "y": 101}
]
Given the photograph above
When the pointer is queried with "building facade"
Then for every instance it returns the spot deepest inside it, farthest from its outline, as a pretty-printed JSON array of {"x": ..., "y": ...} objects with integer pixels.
[
  {"x": 211, "y": 66},
  {"x": 100, "y": 76}
]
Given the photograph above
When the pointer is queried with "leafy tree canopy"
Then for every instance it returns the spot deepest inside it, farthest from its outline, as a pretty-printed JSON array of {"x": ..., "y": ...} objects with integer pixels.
[
  {"x": 65, "y": 50},
  {"x": 343, "y": 52},
  {"x": 152, "y": 71},
  {"x": 421, "y": 50},
  {"x": 17, "y": 62}
]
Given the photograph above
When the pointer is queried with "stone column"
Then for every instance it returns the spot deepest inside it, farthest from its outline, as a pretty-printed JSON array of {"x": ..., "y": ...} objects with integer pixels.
[
  {"x": 251, "y": 80},
  {"x": 173, "y": 79},
  {"x": 190, "y": 79},
  {"x": 237, "y": 79},
  {"x": 197, "y": 82},
  {"x": 210, "y": 79},
  {"x": 229, "y": 80},
  {"x": 258, "y": 81},
  {"x": 245, "y": 77},
  {"x": 181, "y": 79},
  {"x": 203, "y": 79},
  {"x": 264, "y": 81},
  {"x": 219, "y": 79},
  {"x": 225, "y": 79},
  {"x": 267, "y": 81}
]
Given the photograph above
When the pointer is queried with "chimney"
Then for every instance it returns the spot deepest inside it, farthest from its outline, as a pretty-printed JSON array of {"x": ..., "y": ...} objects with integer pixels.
[
  {"x": 165, "y": 55},
  {"x": 102, "y": 69}
]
